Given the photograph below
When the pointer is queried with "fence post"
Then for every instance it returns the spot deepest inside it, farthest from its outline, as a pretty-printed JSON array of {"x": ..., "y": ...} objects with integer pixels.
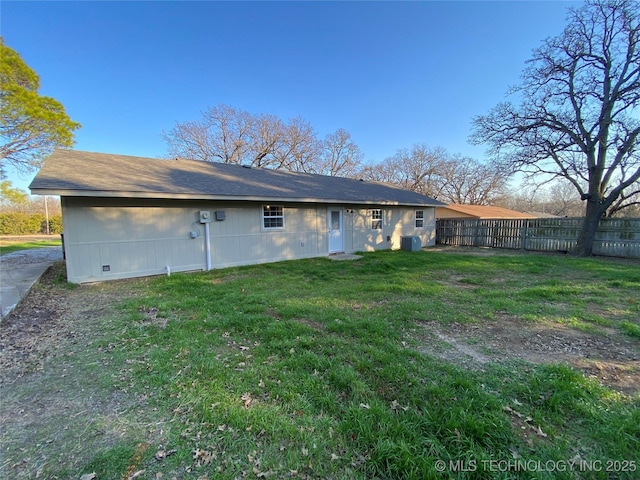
[{"x": 523, "y": 234}]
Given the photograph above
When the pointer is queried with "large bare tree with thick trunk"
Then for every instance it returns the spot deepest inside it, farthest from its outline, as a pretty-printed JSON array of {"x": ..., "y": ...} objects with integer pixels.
[{"x": 578, "y": 115}]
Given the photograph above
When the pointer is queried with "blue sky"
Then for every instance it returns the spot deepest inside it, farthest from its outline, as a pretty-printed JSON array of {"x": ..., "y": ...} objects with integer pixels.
[{"x": 390, "y": 73}]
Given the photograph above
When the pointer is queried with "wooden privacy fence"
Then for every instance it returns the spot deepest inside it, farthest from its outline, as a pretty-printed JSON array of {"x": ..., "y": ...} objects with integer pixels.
[{"x": 615, "y": 237}]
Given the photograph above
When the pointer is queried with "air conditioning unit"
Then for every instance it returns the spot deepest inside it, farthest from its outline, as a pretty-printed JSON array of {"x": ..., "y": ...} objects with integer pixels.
[{"x": 410, "y": 244}]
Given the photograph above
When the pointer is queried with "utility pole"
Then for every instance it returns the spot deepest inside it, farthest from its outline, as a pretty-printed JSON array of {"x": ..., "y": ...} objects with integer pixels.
[{"x": 46, "y": 215}]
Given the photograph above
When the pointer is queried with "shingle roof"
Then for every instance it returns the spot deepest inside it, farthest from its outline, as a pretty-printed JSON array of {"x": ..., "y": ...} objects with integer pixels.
[
  {"x": 77, "y": 173},
  {"x": 481, "y": 211}
]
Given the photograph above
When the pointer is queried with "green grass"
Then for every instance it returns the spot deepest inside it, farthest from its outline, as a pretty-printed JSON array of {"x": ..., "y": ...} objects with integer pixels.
[
  {"x": 305, "y": 369},
  {"x": 14, "y": 247},
  {"x": 632, "y": 329}
]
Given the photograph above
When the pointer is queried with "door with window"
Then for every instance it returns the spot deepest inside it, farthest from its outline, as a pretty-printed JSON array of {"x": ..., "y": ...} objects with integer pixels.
[{"x": 336, "y": 233}]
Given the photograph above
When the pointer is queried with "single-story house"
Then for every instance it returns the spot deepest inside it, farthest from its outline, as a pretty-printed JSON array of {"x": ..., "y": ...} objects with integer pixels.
[
  {"x": 127, "y": 216},
  {"x": 455, "y": 210}
]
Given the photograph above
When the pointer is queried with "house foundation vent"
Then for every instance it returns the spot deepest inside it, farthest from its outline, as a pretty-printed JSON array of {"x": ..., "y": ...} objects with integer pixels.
[{"x": 410, "y": 244}]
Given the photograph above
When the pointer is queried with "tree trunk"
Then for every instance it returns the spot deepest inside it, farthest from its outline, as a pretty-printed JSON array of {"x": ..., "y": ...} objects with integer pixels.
[{"x": 584, "y": 246}]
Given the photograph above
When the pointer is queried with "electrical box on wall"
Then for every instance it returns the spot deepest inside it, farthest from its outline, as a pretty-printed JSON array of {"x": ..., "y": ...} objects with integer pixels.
[
  {"x": 220, "y": 215},
  {"x": 205, "y": 216}
]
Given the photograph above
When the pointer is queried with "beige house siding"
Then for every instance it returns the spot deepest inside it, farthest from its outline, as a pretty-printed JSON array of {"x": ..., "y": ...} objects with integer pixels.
[
  {"x": 241, "y": 240},
  {"x": 397, "y": 222},
  {"x": 403, "y": 224},
  {"x": 129, "y": 241},
  {"x": 107, "y": 239}
]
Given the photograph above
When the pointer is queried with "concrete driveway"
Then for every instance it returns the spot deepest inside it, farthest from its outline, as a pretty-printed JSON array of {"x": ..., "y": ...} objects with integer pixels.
[{"x": 20, "y": 270}]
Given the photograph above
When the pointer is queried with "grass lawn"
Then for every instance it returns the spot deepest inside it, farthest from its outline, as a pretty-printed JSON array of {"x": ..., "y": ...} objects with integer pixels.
[
  {"x": 13, "y": 246},
  {"x": 317, "y": 369}
]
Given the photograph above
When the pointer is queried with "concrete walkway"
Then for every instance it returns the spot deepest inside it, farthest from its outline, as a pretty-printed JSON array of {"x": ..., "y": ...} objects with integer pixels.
[{"x": 20, "y": 270}]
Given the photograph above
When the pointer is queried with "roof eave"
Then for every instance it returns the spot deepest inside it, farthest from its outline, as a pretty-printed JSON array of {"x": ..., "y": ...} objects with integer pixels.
[{"x": 191, "y": 196}]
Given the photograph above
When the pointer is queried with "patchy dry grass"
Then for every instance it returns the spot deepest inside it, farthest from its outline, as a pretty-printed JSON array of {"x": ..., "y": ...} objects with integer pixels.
[
  {"x": 9, "y": 246},
  {"x": 377, "y": 368}
]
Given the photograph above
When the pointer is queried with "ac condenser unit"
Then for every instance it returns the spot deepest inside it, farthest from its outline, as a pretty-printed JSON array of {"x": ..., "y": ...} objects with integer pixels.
[{"x": 410, "y": 244}]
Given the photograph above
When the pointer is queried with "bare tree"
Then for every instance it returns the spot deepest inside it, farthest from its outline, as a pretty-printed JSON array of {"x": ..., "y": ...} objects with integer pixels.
[
  {"x": 627, "y": 204},
  {"x": 467, "y": 181},
  {"x": 383, "y": 172},
  {"x": 300, "y": 149},
  {"x": 266, "y": 135},
  {"x": 418, "y": 169},
  {"x": 222, "y": 135},
  {"x": 522, "y": 199},
  {"x": 341, "y": 156},
  {"x": 229, "y": 135},
  {"x": 557, "y": 198},
  {"x": 435, "y": 173},
  {"x": 563, "y": 200},
  {"x": 578, "y": 112}
]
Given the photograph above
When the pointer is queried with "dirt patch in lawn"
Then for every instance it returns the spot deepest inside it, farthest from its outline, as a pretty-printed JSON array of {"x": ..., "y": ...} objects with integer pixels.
[
  {"x": 53, "y": 410},
  {"x": 53, "y": 320},
  {"x": 610, "y": 356}
]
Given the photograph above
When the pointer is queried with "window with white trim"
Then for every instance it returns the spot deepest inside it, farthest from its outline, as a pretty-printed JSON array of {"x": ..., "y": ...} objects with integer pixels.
[
  {"x": 376, "y": 219},
  {"x": 419, "y": 218},
  {"x": 272, "y": 216}
]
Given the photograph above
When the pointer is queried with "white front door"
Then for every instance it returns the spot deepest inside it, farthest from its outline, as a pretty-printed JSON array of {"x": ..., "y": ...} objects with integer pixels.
[{"x": 335, "y": 230}]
